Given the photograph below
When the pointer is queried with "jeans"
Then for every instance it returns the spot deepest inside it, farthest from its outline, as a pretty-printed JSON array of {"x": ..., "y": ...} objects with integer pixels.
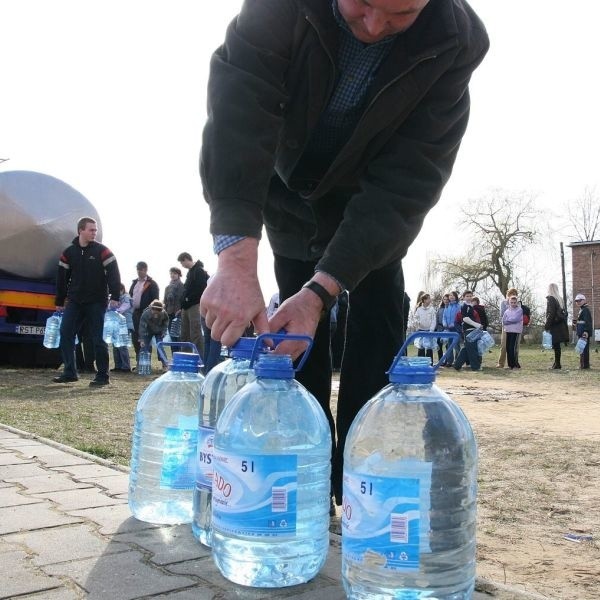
[
  {"x": 73, "y": 316},
  {"x": 121, "y": 357},
  {"x": 468, "y": 352},
  {"x": 374, "y": 335},
  {"x": 147, "y": 347}
]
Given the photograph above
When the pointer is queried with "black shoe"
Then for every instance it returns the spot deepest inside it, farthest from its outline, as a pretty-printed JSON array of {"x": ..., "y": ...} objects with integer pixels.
[
  {"x": 64, "y": 379},
  {"x": 98, "y": 382}
]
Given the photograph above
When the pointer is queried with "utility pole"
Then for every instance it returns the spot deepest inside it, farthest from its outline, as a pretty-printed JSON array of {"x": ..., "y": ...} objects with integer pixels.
[{"x": 564, "y": 280}]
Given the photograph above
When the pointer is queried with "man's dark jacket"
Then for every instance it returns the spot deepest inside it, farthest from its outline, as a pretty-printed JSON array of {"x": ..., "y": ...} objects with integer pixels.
[
  {"x": 150, "y": 292},
  {"x": 195, "y": 284},
  {"x": 270, "y": 82},
  {"x": 87, "y": 274}
]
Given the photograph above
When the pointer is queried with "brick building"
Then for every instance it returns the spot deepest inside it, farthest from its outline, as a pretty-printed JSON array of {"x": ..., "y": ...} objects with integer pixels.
[{"x": 585, "y": 261}]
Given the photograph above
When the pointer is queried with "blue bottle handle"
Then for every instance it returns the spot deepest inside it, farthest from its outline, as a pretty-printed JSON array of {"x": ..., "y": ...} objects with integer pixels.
[
  {"x": 451, "y": 335},
  {"x": 163, "y": 356},
  {"x": 282, "y": 337}
]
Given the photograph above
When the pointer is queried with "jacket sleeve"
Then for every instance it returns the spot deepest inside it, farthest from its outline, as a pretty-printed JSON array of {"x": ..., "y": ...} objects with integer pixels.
[
  {"x": 143, "y": 327},
  {"x": 405, "y": 180},
  {"x": 551, "y": 310},
  {"x": 246, "y": 96},
  {"x": 63, "y": 276},
  {"x": 113, "y": 277}
]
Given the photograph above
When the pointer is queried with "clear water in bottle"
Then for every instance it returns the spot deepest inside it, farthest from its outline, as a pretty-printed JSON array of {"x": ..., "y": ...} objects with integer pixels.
[
  {"x": 144, "y": 366},
  {"x": 410, "y": 486},
  {"x": 221, "y": 383},
  {"x": 163, "y": 453},
  {"x": 271, "y": 486},
  {"x": 580, "y": 345},
  {"x": 110, "y": 333},
  {"x": 175, "y": 328},
  {"x": 52, "y": 331}
]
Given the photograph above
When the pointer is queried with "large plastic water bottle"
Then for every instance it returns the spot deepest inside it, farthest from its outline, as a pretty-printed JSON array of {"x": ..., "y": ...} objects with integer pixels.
[
  {"x": 410, "y": 487},
  {"x": 163, "y": 453},
  {"x": 547, "y": 340},
  {"x": 580, "y": 345},
  {"x": 144, "y": 363},
  {"x": 221, "y": 383},
  {"x": 271, "y": 485},
  {"x": 112, "y": 321},
  {"x": 52, "y": 331},
  {"x": 175, "y": 328}
]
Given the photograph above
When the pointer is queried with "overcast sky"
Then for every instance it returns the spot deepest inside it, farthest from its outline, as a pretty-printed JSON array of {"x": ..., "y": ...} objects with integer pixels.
[{"x": 110, "y": 97}]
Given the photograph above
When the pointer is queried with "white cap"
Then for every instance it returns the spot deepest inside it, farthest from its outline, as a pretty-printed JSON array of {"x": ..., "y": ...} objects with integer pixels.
[{"x": 580, "y": 297}]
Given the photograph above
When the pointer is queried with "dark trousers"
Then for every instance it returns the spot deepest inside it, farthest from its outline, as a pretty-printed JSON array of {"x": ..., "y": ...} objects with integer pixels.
[
  {"x": 468, "y": 353},
  {"x": 374, "y": 334},
  {"x": 135, "y": 338},
  {"x": 73, "y": 317},
  {"x": 557, "y": 354},
  {"x": 584, "y": 357},
  {"x": 512, "y": 349}
]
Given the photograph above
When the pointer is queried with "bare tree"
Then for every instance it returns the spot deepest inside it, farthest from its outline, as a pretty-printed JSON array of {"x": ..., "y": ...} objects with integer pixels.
[
  {"x": 502, "y": 224},
  {"x": 584, "y": 215}
]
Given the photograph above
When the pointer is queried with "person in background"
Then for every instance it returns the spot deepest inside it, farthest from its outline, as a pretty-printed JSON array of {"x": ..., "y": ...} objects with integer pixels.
[
  {"x": 439, "y": 319},
  {"x": 173, "y": 296},
  {"x": 425, "y": 320},
  {"x": 121, "y": 354},
  {"x": 584, "y": 329},
  {"x": 154, "y": 323},
  {"x": 450, "y": 324},
  {"x": 195, "y": 284},
  {"x": 512, "y": 323},
  {"x": 503, "y": 306},
  {"x": 556, "y": 322},
  {"x": 480, "y": 309},
  {"x": 143, "y": 290},
  {"x": 470, "y": 321},
  {"x": 87, "y": 274},
  {"x": 335, "y": 125}
]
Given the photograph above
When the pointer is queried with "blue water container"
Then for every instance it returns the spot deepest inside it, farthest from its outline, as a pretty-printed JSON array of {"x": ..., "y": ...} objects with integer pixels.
[
  {"x": 52, "y": 331},
  {"x": 220, "y": 385},
  {"x": 410, "y": 491},
  {"x": 112, "y": 324},
  {"x": 163, "y": 453},
  {"x": 271, "y": 484}
]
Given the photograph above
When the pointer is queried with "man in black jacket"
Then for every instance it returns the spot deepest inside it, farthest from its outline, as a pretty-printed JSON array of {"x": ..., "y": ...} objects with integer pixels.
[
  {"x": 335, "y": 124},
  {"x": 195, "y": 284},
  {"x": 87, "y": 274}
]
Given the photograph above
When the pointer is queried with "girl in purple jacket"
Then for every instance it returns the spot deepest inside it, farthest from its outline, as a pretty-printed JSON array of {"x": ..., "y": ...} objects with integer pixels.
[{"x": 512, "y": 323}]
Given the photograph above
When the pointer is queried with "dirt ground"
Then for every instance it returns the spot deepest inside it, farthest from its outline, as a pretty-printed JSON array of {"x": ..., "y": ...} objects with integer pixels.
[{"x": 539, "y": 452}]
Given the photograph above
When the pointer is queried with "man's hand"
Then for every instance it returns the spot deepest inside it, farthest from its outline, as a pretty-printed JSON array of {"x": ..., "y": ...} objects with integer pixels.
[
  {"x": 300, "y": 315},
  {"x": 233, "y": 298},
  {"x": 113, "y": 304}
]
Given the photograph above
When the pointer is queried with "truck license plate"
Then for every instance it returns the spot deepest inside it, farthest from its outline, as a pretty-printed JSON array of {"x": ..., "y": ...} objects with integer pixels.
[{"x": 30, "y": 330}]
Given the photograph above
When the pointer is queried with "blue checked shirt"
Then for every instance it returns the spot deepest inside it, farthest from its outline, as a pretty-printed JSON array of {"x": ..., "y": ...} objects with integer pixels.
[{"x": 357, "y": 65}]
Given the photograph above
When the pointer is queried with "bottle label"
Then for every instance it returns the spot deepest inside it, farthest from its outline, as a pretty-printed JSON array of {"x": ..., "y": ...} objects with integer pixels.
[
  {"x": 385, "y": 520},
  {"x": 204, "y": 473},
  {"x": 255, "y": 495},
  {"x": 179, "y": 459}
]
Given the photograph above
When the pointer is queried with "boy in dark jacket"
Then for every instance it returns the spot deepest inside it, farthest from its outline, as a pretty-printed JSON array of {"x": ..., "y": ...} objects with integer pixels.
[{"x": 584, "y": 329}]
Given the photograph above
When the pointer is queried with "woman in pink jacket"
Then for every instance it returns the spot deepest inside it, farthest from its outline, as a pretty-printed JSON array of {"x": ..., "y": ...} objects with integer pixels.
[{"x": 512, "y": 324}]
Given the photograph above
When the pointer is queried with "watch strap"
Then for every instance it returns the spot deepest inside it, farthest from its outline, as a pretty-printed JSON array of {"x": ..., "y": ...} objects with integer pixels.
[{"x": 326, "y": 298}]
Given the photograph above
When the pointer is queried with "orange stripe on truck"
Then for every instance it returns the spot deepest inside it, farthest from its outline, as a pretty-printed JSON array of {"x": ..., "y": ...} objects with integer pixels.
[{"x": 27, "y": 300}]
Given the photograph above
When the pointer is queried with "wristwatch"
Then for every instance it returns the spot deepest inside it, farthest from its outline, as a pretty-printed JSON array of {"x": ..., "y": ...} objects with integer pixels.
[{"x": 326, "y": 298}]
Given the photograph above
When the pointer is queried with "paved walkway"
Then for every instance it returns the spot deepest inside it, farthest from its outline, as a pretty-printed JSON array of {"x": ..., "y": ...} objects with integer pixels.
[{"x": 66, "y": 532}]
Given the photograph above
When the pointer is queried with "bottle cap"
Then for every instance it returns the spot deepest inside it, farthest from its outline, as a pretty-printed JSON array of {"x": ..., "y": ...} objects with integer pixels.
[
  {"x": 185, "y": 362},
  {"x": 274, "y": 366},
  {"x": 243, "y": 348},
  {"x": 413, "y": 369}
]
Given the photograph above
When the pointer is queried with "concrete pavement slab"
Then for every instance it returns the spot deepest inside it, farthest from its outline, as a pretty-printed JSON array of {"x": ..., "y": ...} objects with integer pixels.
[
  {"x": 20, "y": 471},
  {"x": 87, "y": 471},
  {"x": 60, "y": 544},
  {"x": 166, "y": 544},
  {"x": 62, "y": 593},
  {"x": 19, "y": 577},
  {"x": 14, "y": 519},
  {"x": 51, "y": 482},
  {"x": 113, "y": 519},
  {"x": 83, "y": 498},
  {"x": 11, "y": 458},
  {"x": 124, "y": 576},
  {"x": 12, "y": 496},
  {"x": 113, "y": 486}
]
